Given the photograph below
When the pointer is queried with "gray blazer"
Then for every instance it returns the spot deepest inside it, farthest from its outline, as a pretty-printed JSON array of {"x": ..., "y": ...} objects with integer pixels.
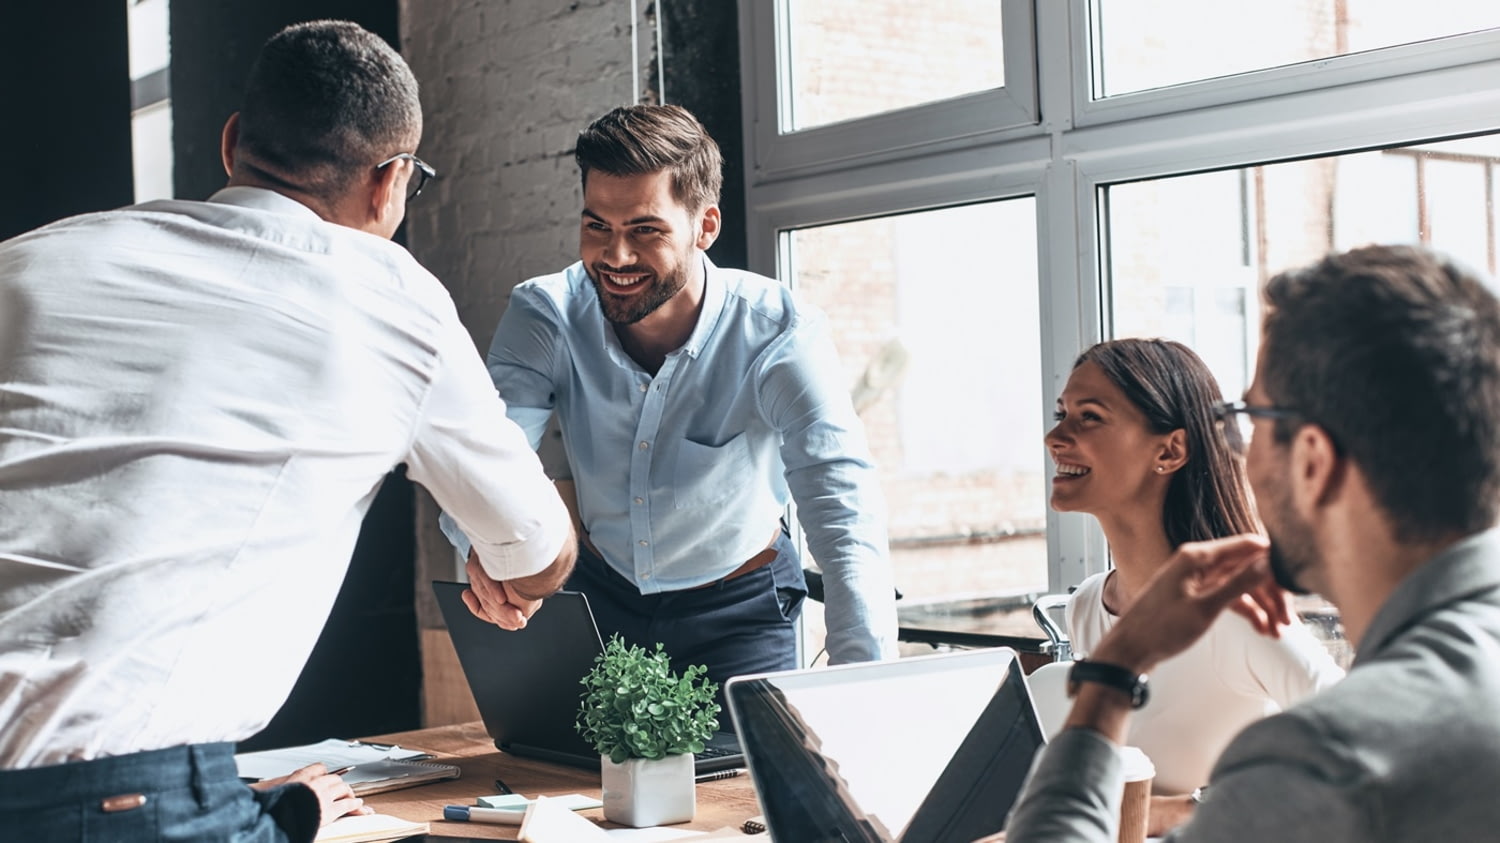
[{"x": 1407, "y": 747}]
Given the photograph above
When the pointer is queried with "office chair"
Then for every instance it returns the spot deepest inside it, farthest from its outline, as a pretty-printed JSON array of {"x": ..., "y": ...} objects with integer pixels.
[
  {"x": 1049, "y": 693},
  {"x": 1058, "y": 645}
]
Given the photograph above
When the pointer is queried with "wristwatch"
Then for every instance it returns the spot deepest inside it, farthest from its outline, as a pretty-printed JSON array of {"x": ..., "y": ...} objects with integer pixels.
[
  {"x": 1198, "y": 794},
  {"x": 1122, "y": 679}
]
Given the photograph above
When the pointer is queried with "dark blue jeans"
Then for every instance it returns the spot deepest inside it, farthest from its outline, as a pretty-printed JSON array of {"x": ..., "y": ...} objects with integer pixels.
[
  {"x": 190, "y": 793},
  {"x": 744, "y": 625}
]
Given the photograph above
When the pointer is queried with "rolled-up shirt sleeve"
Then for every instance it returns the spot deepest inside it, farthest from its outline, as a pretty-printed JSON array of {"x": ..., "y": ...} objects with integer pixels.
[{"x": 481, "y": 469}]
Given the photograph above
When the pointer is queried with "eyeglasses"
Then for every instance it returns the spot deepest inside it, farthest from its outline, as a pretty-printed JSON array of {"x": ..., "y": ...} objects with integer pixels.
[
  {"x": 1235, "y": 420},
  {"x": 418, "y": 179}
]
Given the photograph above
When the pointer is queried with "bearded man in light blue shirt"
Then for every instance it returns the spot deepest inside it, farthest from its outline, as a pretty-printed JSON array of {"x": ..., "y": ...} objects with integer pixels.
[{"x": 695, "y": 403}]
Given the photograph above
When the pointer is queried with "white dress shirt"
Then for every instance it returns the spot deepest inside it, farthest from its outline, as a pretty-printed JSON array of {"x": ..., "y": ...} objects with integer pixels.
[{"x": 198, "y": 402}]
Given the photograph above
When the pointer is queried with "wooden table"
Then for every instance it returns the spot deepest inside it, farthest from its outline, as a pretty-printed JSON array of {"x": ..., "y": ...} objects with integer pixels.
[{"x": 727, "y": 802}]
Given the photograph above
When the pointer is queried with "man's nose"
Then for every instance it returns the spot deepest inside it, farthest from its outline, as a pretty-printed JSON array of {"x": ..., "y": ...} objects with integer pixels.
[{"x": 617, "y": 251}]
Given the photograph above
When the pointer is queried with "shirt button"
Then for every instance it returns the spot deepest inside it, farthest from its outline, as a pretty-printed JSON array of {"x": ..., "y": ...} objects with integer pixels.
[
  {"x": 643, "y": 542},
  {"x": 640, "y": 501},
  {"x": 645, "y": 386},
  {"x": 645, "y": 576},
  {"x": 645, "y": 445}
]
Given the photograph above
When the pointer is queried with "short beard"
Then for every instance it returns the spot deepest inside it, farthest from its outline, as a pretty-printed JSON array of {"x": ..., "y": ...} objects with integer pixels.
[
  {"x": 1285, "y": 572},
  {"x": 630, "y": 310}
]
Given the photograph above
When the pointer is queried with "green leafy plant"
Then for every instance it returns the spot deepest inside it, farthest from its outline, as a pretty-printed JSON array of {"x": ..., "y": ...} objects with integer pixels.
[{"x": 634, "y": 706}]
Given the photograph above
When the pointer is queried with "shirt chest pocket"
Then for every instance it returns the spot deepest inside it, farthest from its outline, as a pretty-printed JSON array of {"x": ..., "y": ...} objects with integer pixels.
[{"x": 709, "y": 474}]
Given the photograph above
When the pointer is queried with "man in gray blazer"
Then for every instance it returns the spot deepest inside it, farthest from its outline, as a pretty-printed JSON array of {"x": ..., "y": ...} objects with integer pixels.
[{"x": 1376, "y": 466}]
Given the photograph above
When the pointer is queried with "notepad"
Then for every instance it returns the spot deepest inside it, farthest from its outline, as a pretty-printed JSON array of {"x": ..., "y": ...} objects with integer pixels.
[
  {"x": 377, "y": 768},
  {"x": 369, "y": 828}
]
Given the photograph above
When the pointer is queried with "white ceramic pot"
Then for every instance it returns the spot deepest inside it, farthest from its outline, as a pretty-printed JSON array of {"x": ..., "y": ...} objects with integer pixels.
[{"x": 643, "y": 792}]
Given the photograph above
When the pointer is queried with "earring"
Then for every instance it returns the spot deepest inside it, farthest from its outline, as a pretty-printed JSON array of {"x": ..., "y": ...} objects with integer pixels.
[{"x": 1160, "y": 469}]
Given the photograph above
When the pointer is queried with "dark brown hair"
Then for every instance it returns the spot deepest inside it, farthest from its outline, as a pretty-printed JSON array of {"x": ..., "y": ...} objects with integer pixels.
[
  {"x": 325, "y": 100},
  {"x": 1395, "y": 352},
  {"x": 639, "y": 139},
  {"x": 1173, "y": 388}
]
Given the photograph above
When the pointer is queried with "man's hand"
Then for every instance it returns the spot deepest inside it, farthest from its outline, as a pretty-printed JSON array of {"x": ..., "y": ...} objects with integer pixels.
[
  {"x": 491, "y": 600},
  {"x": 1167, "y": 813},
  {"x": 335, "y": 797},
  {"x": 1197, "y": 583},
  {"x": 509, "y": 603}
]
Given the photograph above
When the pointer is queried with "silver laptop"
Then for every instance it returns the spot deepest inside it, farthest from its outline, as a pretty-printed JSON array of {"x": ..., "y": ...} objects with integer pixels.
[
  {"x": 527, "y": 683},
  {"x": 928, "y": 749}
]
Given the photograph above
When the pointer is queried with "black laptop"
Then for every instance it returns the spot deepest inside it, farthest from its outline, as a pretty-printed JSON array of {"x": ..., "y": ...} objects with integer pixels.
[
  {"x": 930, "y": 749},
  {"x": 528, "y": 683}
]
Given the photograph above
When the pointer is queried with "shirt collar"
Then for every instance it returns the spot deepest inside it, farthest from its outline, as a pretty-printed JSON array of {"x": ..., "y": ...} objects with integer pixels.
[
  {"x": 1468, "y": 567},
  {"x": 261, "y": 199},
  {"x": 713, "y": 306},
  {"x": 714, "y": 294}
]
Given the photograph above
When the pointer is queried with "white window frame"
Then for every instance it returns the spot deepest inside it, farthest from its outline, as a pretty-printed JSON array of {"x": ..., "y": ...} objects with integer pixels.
[{"x": 1058, "y": 144}]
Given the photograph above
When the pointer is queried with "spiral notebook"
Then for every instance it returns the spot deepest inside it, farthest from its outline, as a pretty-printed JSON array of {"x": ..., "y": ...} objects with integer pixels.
[{"x": 377, "y": 768}]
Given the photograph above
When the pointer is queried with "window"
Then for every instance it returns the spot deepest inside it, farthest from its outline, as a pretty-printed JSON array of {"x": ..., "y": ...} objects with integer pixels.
[
  {"x": 929, "y": 336},
  {"x": 1144, "y": 44},
  {"x": 844, "y": 62},
  {"x": 150, "y": 102},
  {"x": 1170, "y": 171}
]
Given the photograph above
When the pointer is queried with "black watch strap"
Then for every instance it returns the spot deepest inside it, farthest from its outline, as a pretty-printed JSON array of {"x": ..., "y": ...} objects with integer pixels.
[{"x": 1122, "y": 679}]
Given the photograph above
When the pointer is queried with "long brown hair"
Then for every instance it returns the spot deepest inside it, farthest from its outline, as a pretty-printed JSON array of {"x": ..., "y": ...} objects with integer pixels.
[{"x": 1173, "y": 388}]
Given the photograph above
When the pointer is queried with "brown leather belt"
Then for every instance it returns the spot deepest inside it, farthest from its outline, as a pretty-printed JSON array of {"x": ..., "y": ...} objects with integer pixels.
[{"x": 754, "y": 563}]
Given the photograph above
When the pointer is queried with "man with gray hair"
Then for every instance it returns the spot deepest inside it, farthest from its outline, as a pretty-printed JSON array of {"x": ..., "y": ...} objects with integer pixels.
[{"x": 198, "y": 402}]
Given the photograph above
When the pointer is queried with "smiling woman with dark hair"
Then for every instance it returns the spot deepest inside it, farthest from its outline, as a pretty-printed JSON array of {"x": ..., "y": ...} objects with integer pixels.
[{"x": 1136, "y": 446}]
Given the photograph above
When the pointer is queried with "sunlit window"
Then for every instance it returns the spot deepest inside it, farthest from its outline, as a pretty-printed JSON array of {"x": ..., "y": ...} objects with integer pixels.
[
  {"x": 1144, "y": 44},
  {"x": 150, "y": 99},
  {"x": 854, "y": 58},
  {"x": 942, "y": 347}
]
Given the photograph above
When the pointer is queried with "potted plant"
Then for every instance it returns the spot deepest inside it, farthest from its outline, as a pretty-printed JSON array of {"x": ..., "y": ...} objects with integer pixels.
[{"x": 646, "y": 723}]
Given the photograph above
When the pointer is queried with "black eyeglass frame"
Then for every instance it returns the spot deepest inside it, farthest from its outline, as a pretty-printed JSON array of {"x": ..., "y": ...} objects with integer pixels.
[
  {"x": 1225, "y": 411},
  {"x": 425, "y": 172}
]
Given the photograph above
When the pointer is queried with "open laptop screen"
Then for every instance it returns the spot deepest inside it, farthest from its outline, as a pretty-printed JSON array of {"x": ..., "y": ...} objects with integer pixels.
[{"x": 931, "y": 748}]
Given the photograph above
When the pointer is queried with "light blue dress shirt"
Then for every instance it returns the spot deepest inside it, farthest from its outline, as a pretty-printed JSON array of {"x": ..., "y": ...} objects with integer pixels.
[{"x": 682, "y": 476}]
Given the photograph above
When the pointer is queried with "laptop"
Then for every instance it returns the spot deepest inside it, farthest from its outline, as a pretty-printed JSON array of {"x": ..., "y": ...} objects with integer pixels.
[
  {"x": 927, "y": 749},
  {"x": 528, "y": 683}
]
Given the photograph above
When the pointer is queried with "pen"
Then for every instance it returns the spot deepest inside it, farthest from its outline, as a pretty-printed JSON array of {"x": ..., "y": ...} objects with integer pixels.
[
  {"x": 464, "y": 813},
  {"x": 720, "y": 774},
  {"x": 342, "y": 770},
  {"x": 502, "y": 788}
]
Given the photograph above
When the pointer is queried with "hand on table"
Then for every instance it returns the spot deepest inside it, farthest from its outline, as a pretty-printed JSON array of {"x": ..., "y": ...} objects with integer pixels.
[
  {"x": 335, "y": 797},
  {"x": 495, "y": 600}
]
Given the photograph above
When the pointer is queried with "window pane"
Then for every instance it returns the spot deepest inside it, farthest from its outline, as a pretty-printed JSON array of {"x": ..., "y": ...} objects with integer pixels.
[
  {"x": 1144, "y": 44},
  {"x": 1188, "y": 254},
  {"x": 942, "y": 347},
  {"x": 854, "y": 58}
]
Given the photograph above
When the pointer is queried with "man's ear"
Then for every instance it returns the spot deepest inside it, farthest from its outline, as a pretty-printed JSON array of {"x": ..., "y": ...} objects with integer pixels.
[
  {"x": 1317, "y": 469},
  {"x": 386, "y": 186},
  {"x": 1174, "y": 452},
  {"x": 708, "y": 227},
  {"x": 229, "y": 140}
]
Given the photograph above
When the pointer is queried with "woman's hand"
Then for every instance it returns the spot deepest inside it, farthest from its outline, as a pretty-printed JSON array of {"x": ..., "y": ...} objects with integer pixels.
[{"x": 335, "y": 797}]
